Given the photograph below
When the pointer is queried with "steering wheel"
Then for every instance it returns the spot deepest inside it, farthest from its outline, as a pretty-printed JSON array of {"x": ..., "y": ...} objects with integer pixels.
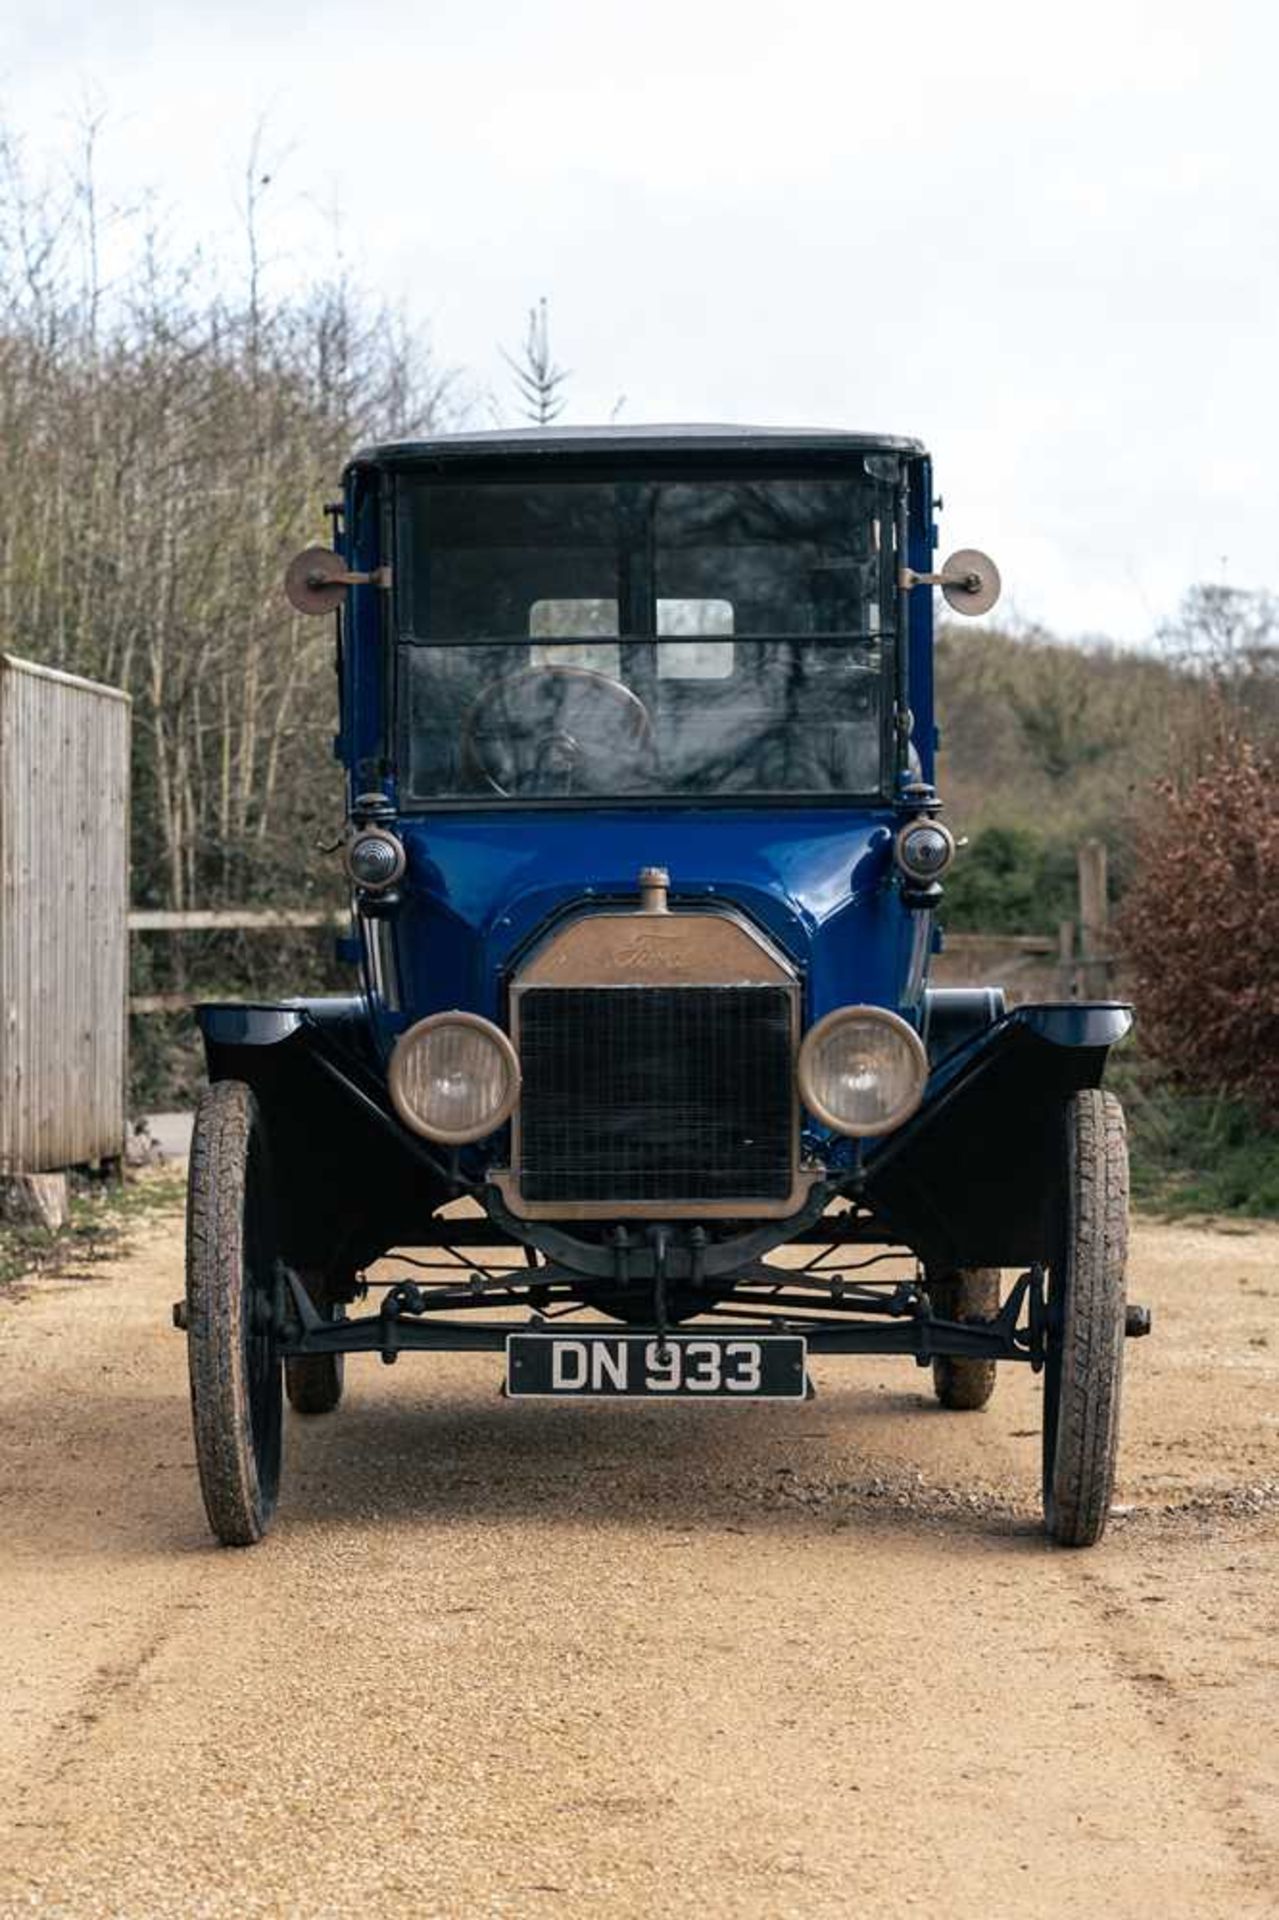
[{"x": 556, "y": 730}]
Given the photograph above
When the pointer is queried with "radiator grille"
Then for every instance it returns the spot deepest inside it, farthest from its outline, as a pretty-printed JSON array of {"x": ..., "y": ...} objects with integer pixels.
[{"x": 656, "y": 1093}]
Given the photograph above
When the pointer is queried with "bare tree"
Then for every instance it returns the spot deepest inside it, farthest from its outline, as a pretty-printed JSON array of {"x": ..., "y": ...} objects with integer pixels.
[
  {"x": 166, "y": 444},
  {"x": 1226, "y": 640},
  {"x": 1068, "y": 716},
  {"x": 539, "y": 381}
]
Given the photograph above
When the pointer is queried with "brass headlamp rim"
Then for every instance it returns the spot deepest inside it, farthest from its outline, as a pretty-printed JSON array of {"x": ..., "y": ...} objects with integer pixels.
[
  {"x": 840, "y": 1016},
  {"x": 398, "y": 1067}
]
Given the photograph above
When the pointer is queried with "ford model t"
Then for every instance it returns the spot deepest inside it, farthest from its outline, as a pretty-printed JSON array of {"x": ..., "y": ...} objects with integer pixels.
[{"x": 645, "y": 861}]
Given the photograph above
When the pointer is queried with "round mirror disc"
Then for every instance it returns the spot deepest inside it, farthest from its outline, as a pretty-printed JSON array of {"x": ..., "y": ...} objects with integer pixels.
[
  {"x": 979, "y": 588},
  {"x": 313, "y": 582}
]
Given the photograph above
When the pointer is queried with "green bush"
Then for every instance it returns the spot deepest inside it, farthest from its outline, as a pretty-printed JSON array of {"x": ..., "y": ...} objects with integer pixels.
[{"x": 1011, "y": 880}]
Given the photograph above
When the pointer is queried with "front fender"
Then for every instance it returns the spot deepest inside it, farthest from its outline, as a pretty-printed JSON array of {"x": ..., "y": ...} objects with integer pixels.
[
  {"x": 348, "y": 1178},
  {"x": 230, "y": 1025},
  {"x": 973, "y": 1179}
]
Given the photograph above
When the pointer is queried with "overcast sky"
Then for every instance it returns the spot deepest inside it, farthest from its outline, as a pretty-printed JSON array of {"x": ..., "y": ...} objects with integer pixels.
[{"x": 1046, "y": 240}]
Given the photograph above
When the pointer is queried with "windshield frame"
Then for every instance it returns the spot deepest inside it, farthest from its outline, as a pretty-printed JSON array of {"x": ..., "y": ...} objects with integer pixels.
[{"x": 399, "y": 636}]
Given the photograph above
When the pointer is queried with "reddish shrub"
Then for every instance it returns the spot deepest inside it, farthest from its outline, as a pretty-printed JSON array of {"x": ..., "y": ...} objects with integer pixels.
[{"x": 1200, "y": 928}]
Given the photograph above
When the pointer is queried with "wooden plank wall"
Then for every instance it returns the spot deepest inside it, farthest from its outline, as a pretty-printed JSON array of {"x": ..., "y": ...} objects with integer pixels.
[{"x": 64, "y": 889}]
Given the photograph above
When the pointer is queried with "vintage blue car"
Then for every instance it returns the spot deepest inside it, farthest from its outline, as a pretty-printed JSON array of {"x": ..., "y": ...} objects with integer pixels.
[{"x": 645, "y": 861}]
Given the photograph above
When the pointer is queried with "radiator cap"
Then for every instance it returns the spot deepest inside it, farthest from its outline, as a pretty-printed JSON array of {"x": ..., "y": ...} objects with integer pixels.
[{"x": 653, "y": 885}]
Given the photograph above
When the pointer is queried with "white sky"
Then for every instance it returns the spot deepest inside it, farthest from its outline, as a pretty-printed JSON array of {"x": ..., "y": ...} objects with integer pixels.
[{"x": 1046, "y": 240}]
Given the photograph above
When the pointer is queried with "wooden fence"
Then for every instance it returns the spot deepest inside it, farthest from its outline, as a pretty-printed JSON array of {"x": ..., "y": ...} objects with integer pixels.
[
  {"x": 221, "y": 920},
  {"x": 64, "y": 891},
  {"x": 1075, "y": 962}
]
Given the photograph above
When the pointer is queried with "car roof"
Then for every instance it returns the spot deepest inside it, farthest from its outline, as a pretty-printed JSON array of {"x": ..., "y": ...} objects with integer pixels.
[{"x": 597, "y": 443}]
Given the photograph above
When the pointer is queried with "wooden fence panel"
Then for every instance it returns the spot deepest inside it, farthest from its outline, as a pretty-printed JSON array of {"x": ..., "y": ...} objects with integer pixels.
[{"x": 64, "y": 886}]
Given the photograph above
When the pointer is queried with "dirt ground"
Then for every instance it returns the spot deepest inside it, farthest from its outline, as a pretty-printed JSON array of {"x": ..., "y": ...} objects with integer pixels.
[{"x": 522, "y": 1659}]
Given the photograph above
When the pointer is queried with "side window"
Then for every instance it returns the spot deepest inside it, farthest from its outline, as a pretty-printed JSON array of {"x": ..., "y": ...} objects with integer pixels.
[{"x": 703, "y": 655}]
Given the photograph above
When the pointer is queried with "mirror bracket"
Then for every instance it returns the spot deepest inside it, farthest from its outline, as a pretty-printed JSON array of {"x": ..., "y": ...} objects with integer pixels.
[
  {"x": 318, "y": 578},
  {"x": 968, "y": 579}
]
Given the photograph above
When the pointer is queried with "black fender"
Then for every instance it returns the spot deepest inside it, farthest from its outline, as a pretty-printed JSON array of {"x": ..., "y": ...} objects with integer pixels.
[
  {"x": 349, "y": 1178},
  {"x": 974, "y": 1178},
  {"x": 259, "y": 1024}
]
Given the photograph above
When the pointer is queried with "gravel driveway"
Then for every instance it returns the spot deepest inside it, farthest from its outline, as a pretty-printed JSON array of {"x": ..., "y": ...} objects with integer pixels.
[{"x": 524, "y": 1659}]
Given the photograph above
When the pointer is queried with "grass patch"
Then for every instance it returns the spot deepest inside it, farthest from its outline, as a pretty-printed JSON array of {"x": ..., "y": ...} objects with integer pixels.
[
  {"x": 101, "y": 1213},
  {"x": 1194, "y": 1152}
]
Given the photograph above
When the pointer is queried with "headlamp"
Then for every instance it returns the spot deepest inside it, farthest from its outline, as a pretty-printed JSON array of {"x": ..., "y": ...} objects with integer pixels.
[
  {"x": 862, "y": 1070},
  {"x": 454, "y": 1077}
]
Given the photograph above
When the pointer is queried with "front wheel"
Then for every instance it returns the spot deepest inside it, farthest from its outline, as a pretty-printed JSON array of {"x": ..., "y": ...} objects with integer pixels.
[
  {"x": 236, "y": 1388},
  {"x": 1086, "y": 1312}
]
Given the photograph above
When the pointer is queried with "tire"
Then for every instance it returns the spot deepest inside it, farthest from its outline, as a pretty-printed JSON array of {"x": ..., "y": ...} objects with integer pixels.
[
  {"x": 1086, "y": 1311},
  {"x": 972, "y": 1293},
  {"x": 313, "y": 1381},
  {"x": 236, "y": 1388}
]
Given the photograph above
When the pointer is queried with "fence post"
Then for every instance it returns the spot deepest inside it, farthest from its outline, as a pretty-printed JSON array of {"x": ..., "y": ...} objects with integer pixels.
[
  {"x": 1094, "y": 917},
  {"x": 1066, "y": 982}
]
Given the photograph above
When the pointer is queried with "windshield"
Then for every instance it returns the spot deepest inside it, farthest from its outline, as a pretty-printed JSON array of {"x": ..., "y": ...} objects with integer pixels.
[{"x": 686, "y": 640}]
